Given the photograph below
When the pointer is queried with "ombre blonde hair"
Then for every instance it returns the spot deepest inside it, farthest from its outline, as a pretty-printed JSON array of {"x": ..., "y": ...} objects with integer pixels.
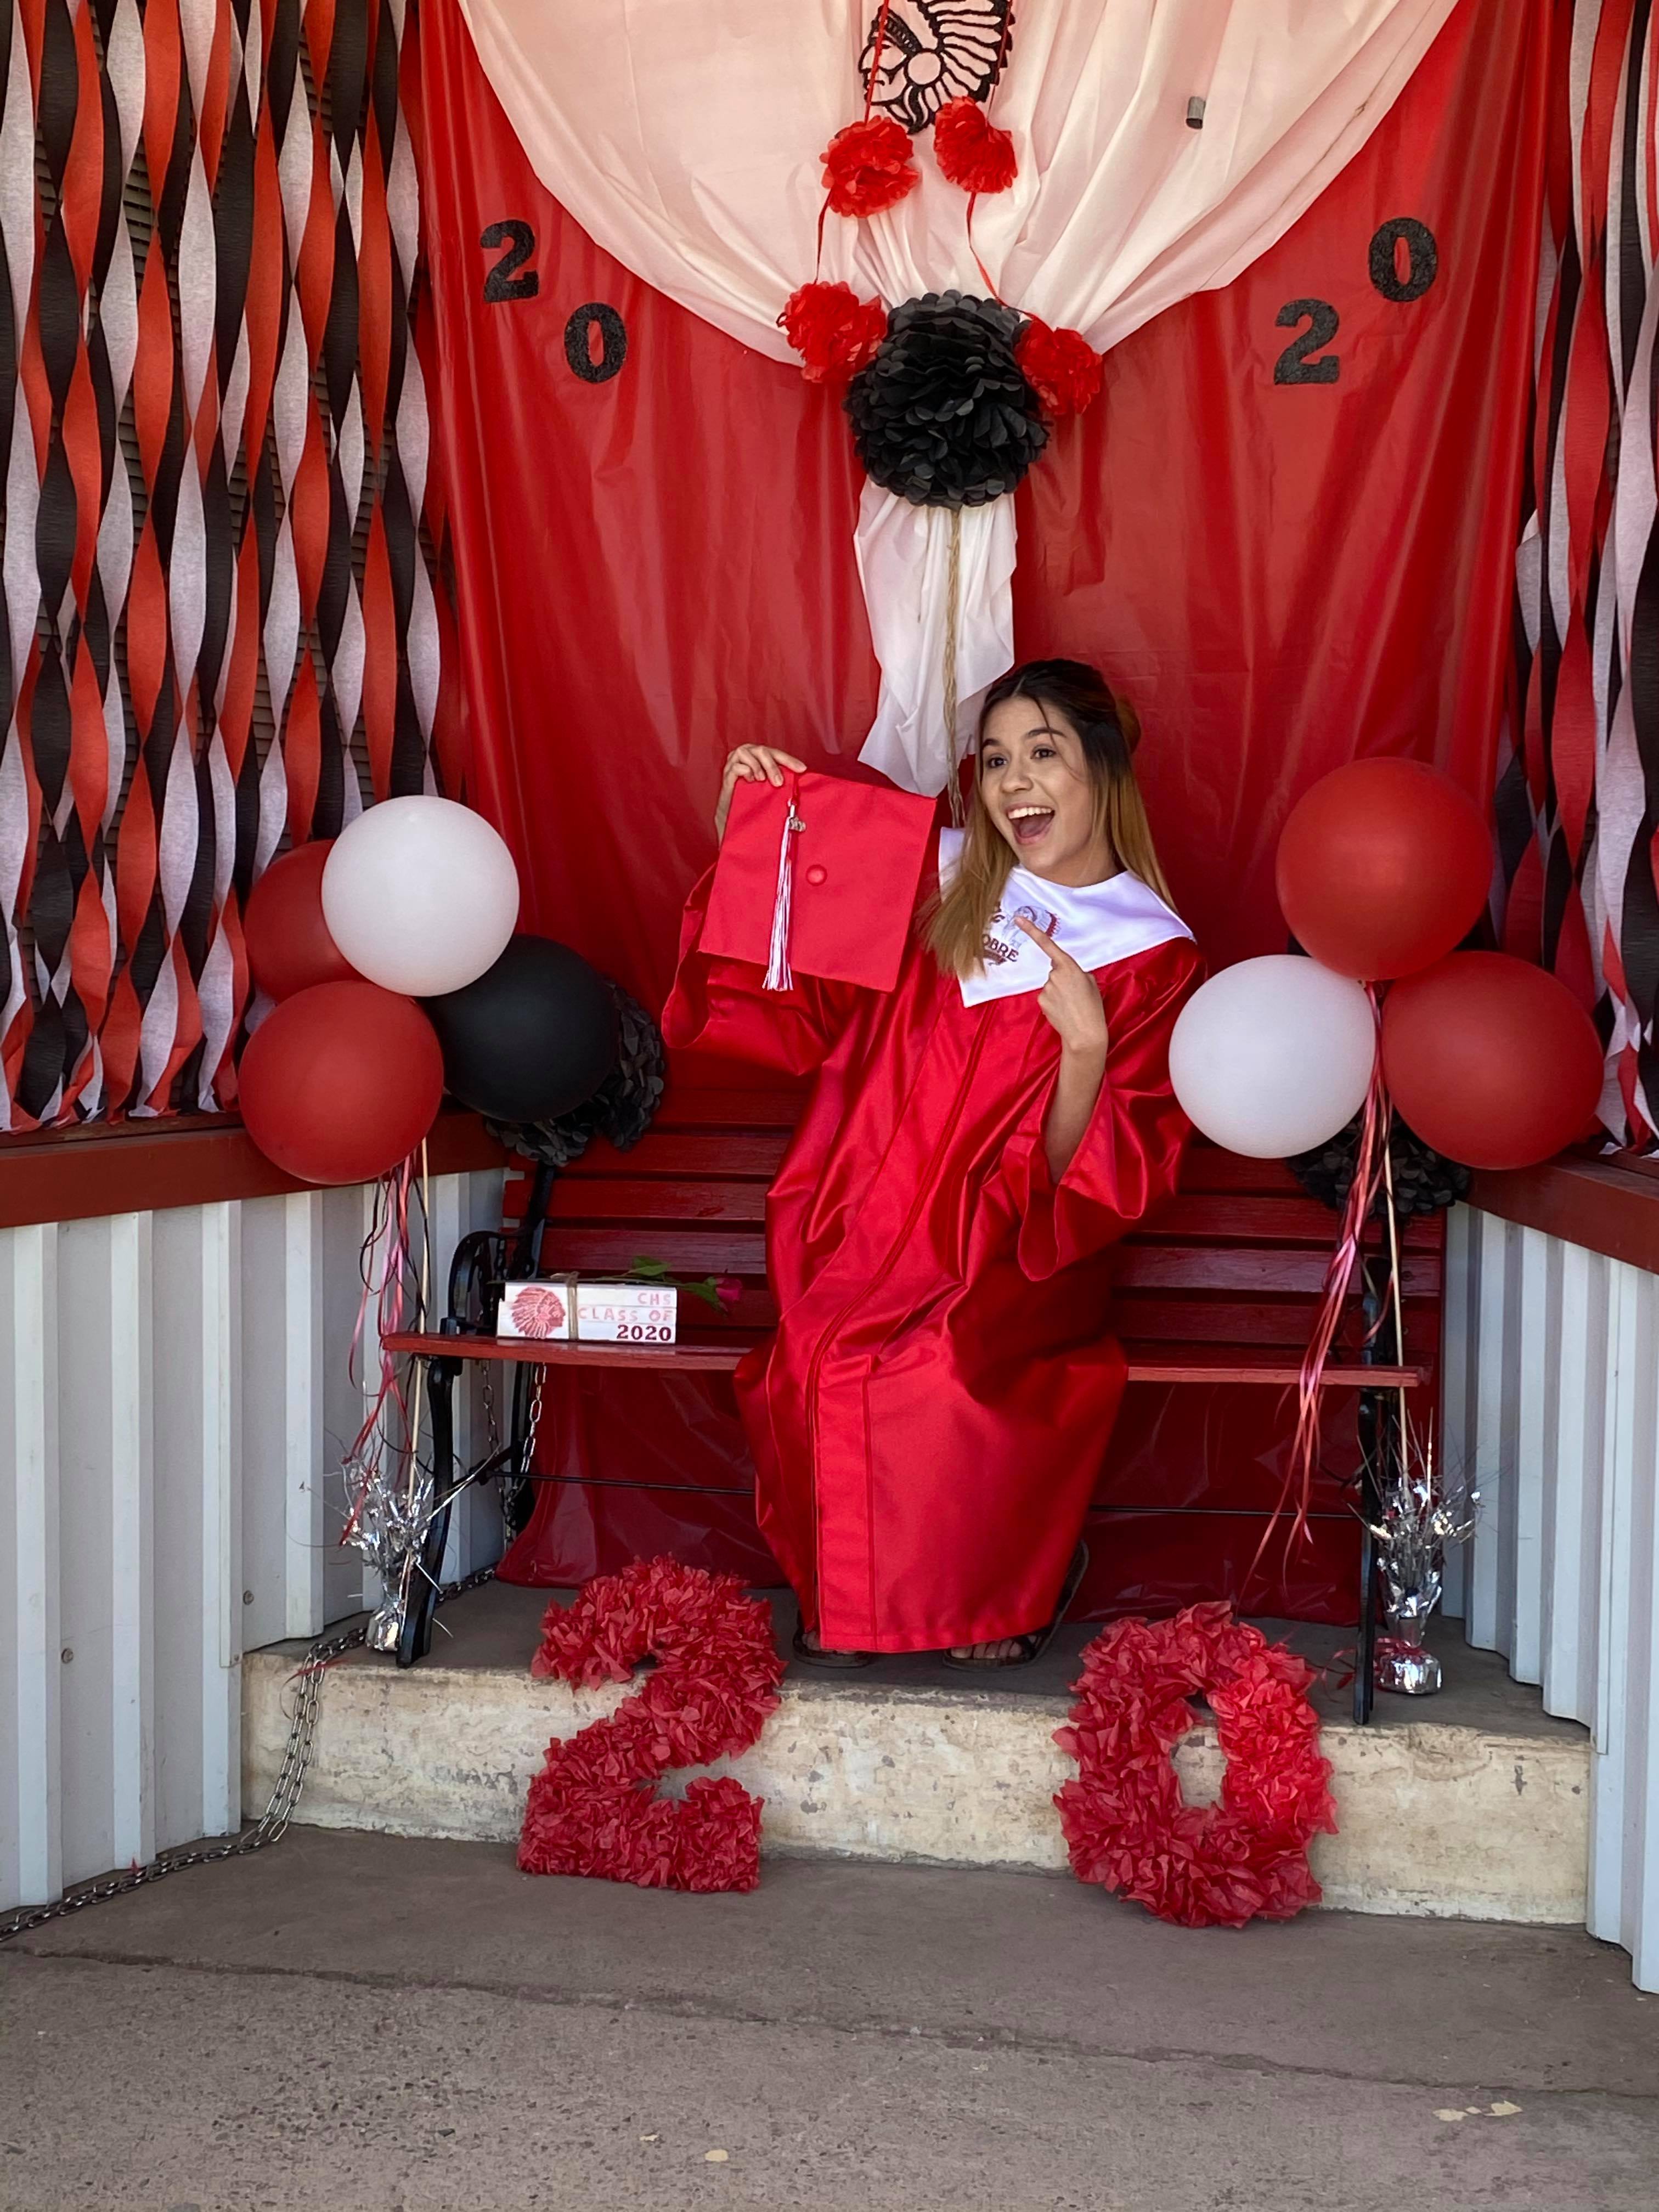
[{"x": 960, "y": 921}]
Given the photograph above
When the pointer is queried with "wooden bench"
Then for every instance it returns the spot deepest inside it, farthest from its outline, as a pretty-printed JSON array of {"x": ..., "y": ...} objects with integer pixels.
[{"x": 1220, "y": 1287}]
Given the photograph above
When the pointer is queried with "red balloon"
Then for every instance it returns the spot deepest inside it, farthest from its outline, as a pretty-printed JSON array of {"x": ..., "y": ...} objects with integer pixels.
[
  {"x": 341, "y": 1082},
  {"x": 1490, "y": 1061},
  {"x": 288, "y": 946},
  {"x": 1383, "y": 867}
]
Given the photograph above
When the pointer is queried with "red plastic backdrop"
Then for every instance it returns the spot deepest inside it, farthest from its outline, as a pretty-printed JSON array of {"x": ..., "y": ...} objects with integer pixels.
[{"x": 1286, "y": 530}]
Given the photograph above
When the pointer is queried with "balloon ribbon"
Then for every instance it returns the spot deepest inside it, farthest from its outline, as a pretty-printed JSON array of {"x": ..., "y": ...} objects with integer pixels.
[{"x": 1339, "y": 1274}]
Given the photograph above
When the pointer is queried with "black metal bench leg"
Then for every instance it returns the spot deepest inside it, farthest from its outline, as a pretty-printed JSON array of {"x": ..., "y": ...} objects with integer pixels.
[
  {"x": 421, "y": 1600},
  {"x": 1364, "y": 1649}
]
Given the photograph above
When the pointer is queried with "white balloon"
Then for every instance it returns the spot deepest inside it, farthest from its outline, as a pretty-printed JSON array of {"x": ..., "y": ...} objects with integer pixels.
[
  {"x": 421, "y": 894},
  {"x": 1273, "y": 1056}
]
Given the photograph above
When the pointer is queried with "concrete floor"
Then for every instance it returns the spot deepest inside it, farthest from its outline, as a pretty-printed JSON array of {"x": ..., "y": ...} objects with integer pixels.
[{"x": 354, "y": 2020}]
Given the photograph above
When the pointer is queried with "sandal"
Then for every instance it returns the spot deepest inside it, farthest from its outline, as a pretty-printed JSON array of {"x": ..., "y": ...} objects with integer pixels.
[
  {"x": 1032, "y": 1646},
  {"x": 815, "y": 1655}
]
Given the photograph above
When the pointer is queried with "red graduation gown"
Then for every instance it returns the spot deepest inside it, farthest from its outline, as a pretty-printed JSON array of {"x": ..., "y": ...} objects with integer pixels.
[{"x": 929, "y": 1421}]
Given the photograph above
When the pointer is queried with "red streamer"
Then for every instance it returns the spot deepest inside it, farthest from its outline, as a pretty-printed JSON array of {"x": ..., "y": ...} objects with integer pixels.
[
  {"x": 389, "y": 1295},
  {"x": 875, "y": 57}
]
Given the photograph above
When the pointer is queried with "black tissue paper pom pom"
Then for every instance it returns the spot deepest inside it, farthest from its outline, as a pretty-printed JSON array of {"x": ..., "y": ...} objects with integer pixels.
[
  {"x": 944, "y": 415},
  {"x": 1424, "y": 1180},
  {"x": 620, "y": 1109}
]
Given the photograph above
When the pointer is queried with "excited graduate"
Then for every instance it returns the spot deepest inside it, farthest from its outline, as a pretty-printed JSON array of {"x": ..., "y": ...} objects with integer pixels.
[{"x": 929, "y": 1421}]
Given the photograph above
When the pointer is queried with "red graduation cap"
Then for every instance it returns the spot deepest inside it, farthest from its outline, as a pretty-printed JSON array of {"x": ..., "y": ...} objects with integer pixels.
[{"x": 820, "y": 877}]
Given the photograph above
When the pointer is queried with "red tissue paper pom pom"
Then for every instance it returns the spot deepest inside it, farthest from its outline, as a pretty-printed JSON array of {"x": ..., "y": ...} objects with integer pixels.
[
  {"x": 1060, "y": 367},
  {"x": 592, "y": 1809},
  {"x": 1125, "y": 1824},
  {"x": 970, "y": 150},
  {"x": 835, "y": 333},
  {"x": 869, "y": 167}
]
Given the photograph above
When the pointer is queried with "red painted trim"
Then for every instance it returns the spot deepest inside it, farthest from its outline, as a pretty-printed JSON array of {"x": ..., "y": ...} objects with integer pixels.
[
  {"x": 136, "y": 1167},
  {"x": 1604, "y": 1206}
]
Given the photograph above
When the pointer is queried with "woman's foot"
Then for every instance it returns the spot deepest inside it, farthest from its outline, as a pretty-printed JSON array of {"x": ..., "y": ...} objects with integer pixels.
[
  {"x": 1021, "y": 1650},
  {"x": 807, "y": 1644}
]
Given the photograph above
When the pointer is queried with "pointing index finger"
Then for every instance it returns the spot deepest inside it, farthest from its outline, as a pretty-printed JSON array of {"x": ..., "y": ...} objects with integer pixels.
[{"x": 1055, "y": 952}]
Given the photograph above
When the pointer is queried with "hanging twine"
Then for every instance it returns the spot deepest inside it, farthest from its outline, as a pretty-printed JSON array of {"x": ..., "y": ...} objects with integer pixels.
[{"x": 953, "y": 591}]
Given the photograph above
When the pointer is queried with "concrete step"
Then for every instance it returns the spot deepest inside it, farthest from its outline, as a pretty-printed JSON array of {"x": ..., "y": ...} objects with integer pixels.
[{"x": 1473, "y": 1803}]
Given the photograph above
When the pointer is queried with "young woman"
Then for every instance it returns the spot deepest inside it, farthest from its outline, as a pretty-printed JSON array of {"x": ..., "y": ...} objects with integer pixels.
[{"x": 929, "y": 1421}]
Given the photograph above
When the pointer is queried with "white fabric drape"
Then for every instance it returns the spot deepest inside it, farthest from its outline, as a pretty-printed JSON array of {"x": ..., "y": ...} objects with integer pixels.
[
  {"x": 904, "y": 564},
  {"x": 685, "y": 139}
]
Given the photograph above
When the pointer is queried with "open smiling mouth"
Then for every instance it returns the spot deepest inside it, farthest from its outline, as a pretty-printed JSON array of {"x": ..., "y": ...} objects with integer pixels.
[{"x": 1030, "y": 824}]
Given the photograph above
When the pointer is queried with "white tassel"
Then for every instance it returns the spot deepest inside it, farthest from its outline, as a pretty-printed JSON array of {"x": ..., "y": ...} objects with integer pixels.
[{"x": 779, "y": 976}]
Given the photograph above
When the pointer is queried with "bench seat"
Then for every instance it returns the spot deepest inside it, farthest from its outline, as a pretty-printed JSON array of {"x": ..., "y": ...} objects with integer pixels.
[
  {"x": 1217, "y": 1291},
  {"x": 717, "y": 1352}
]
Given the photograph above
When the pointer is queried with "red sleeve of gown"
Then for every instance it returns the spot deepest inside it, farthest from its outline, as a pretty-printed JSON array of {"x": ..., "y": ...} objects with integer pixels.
[
  {"x": 1130, "y": 1153},
  {"x": 721, "y": 1007}
]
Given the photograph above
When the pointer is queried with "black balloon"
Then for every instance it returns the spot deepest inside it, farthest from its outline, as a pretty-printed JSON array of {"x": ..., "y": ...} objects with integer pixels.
[
  {"x": 621, "y": 1109},
  {"x": 534, "y": 1036}
]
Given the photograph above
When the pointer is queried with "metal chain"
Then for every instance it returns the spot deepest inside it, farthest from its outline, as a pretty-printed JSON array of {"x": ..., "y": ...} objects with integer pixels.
[
  {"x": 493, "y": 1444},
  {"x": 538, "y": 1380},
  {"x": 272, "y": 1823}
]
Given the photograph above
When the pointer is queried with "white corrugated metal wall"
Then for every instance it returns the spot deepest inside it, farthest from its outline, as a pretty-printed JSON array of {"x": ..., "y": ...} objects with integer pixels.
[
  {"x": 1552, "y": 1404},
  {"x": 174, "y": 1395}
]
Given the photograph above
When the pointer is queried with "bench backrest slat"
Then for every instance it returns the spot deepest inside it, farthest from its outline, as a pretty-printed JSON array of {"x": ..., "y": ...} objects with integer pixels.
[
  {"x": 1238, "y": 1257},
  {"x": 694, "y": 1153},
  {"x": 618, "y": 1198},
  {"x": 1267, "y": 1324},
  {"x": 1145, "y": 1266}
]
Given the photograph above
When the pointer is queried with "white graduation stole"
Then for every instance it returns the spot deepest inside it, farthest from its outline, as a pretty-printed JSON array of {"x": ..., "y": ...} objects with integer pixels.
[{"x": 1095, "y": 923}]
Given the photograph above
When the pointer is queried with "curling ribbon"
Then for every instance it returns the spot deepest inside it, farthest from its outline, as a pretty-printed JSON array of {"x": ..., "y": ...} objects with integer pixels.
[
  {"x": 779, "y": 976},
  {"x": 1367, "y": 1176}
]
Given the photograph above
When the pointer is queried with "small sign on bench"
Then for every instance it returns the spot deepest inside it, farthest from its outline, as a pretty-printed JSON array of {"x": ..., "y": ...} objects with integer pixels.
[{"x": 571, "y": 1309}]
